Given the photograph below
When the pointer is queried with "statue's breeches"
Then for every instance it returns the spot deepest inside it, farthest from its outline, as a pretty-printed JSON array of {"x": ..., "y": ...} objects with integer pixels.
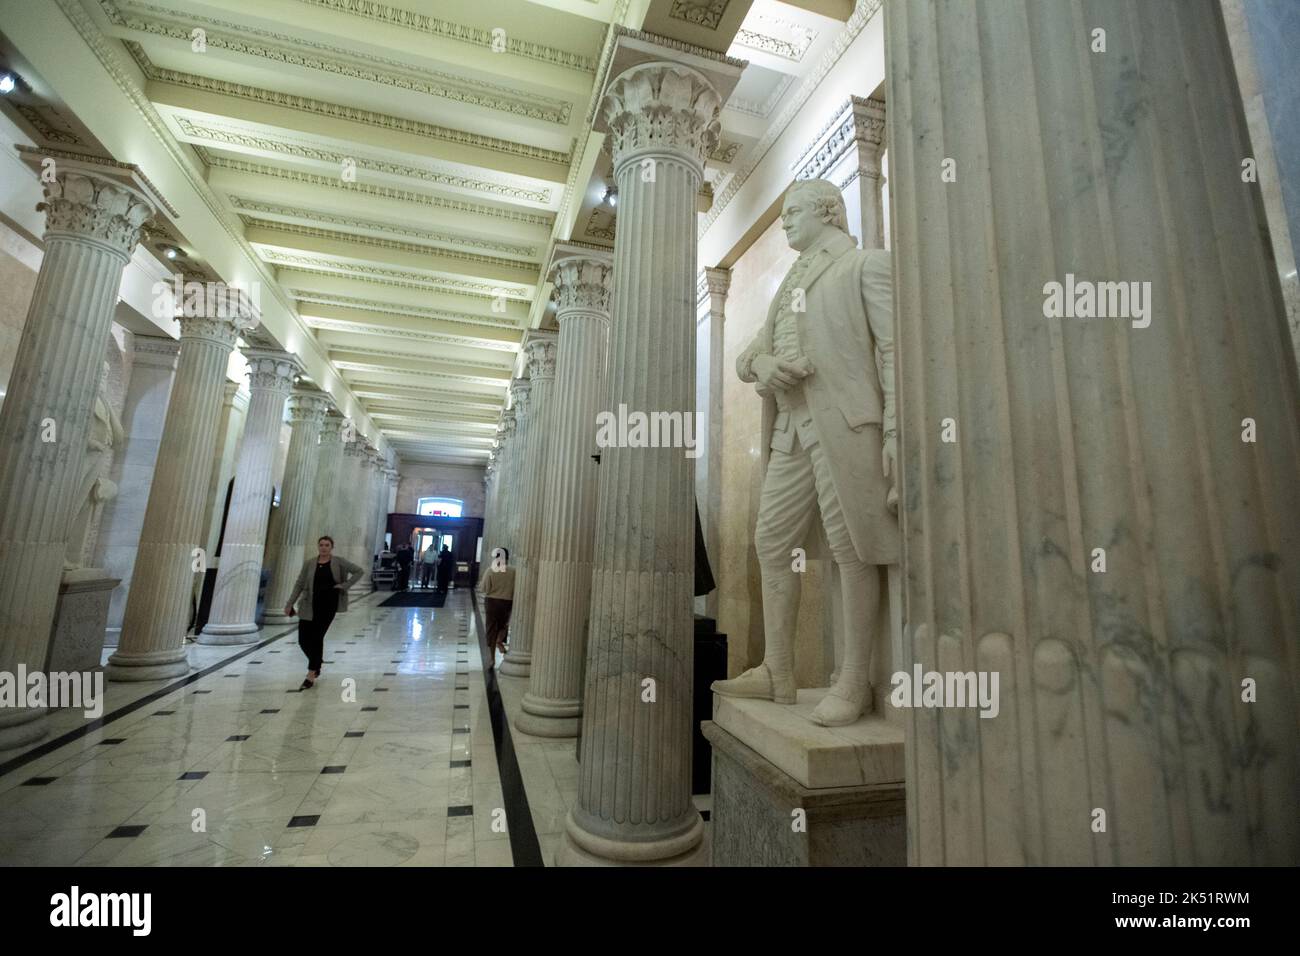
[{"x": 796, "y": 487}]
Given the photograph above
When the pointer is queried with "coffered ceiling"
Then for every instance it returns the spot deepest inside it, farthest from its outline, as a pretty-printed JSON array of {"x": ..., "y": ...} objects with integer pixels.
[{"x": 402, "y": 167}]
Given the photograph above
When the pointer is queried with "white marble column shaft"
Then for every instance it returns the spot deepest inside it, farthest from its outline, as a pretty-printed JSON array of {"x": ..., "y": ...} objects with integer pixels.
[
  {"x": 539, "y": 347},
  {"x": 306, "y": 415},
  {"x": 553, "y": 704},
  {"x": 152, "y": 644},
  {"x": 1104, "y": 530},
  {"x": 329, "y": 460},
  {"x": 634, "y": 797},
  {"x": 521, "y": 391},
  {"x": 232, "y": 619},
  {"x": 92, "y": 225}
]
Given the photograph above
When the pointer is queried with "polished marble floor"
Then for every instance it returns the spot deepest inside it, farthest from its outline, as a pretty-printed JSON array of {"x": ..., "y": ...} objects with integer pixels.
[
  {"x": 239, "y": 768},
  {"x": 234, "y": 766}
]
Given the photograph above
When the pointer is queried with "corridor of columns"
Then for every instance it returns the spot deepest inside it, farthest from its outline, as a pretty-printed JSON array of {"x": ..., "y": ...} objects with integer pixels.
[{"x": 627, "y": 433}]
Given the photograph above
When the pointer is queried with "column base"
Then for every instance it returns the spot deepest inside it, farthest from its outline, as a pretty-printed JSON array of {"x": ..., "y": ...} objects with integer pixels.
[
  {"x": 158, "y": 665},
  {"x": 20, "y": 728},
  {"x": 580, "y": 848},
  {"x": 549, "y": 718},
  {"x": 279, "y": 618},
  {"x": 229, "y": 633},
  {"x": 517, "y": 665}
]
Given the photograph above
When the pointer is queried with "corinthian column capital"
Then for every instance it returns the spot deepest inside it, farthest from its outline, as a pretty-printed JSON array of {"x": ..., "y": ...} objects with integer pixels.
[
  {"x": 658, "y": 108},
  {"x": 539, "y": 348},
  {"x": 583, "y": 283},
  {"x": 271, "y": 369},
  {"x": 82, "y": 205}
]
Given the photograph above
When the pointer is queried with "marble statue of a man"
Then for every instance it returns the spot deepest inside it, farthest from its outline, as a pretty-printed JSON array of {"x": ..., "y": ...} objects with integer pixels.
[
  {"x": 824, "y": 364},
  {"x": 94, "y": 489}
]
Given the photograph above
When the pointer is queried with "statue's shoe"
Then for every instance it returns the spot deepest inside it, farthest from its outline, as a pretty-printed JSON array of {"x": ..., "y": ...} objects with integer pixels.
[
  {"x": 841, "y": 706},
  {"x": 758, "y": 683}
]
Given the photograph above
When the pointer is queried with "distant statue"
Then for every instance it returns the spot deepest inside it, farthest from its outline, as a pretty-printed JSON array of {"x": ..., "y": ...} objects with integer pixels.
[{"x": 94, "y": 489}]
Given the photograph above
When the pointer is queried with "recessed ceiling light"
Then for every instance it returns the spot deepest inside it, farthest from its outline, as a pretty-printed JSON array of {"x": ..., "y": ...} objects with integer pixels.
[{"x": 7, "y": 83}]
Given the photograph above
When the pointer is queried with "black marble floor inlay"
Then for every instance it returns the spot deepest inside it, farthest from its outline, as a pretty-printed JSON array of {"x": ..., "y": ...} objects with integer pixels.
[
  {"x": 309, "y": 820},
  {"x": 460, "y": 706},
  {"x": 333, "y": 769},
  {"x": 463, "y": 811},
  {"x": 193, "y": 775},
  {"x": 238, "y": 737},
  {"x": 369, "y": 708},
  {"x": 39, "y": 781},
  {"x": 460, "y": 730},
  {"x": 197, "y": 692},
  {"x": 257, "y": 662},
  {"x": 236, "y": 676},
  {"x": 390, "y": 673},
  {"x": 162, "y": 713},
  {"x": 112, "y": 741},
  {"x": 704, "y": 814},
  {"x": 131, "y": 831},
  {"x": 355, "y": 733},
  {"x": 270, "y": 710},
  {"x": 460, "y": 763}
]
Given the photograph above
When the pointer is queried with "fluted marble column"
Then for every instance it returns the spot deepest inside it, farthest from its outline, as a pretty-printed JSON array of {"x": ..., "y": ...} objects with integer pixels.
[
  {"x": 1087, "y": 510},
  {"x": 152, "y": 646},
  {"x": 329, "y": 459},
  {"x": 553, "y": 704},
  {"x": 345, "y": 490},
  {"x": 92, "y": 224},
  {"x": 234, "y": 596},
  {"x": 521, "y": 394},
  {"x": 539, "y": 348},
  {"x": 505, "y": 433},
  {"x": 634, "y": 797},
  {"x": 306, "y": 415}
]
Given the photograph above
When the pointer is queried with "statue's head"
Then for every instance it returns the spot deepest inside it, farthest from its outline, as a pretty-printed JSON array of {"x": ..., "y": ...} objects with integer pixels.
[{"x": 812, "y": 207}]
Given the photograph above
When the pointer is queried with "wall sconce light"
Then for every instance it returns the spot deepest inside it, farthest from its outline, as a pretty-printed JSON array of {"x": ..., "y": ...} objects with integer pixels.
[{"x": 611, "y": 197}]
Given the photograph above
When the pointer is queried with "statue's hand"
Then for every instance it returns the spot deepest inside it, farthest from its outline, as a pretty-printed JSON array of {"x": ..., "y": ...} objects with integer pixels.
[{"x": 777, "y": 374}]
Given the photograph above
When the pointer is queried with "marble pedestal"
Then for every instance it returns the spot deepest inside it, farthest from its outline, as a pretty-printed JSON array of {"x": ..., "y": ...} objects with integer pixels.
[
  {"x": 769, "y": 760},
  {"x": 77, "y": 637}
]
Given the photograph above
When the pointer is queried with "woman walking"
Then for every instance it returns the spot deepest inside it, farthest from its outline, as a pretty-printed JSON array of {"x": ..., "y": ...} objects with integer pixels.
[
  {"x": 498, "y": 599},
  {"x": 323, "y": 583}
]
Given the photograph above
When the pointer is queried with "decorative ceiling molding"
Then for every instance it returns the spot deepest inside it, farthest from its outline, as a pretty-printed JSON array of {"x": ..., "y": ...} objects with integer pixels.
[
  {"x": 354, "y": 114},
  {"x": 363, "y": 328},
  {"x": 389, "y": 308},
  {"x": 433, "y": 239},
  {"x": 601, "y": 225},
  {"x": 339, "y": 61},
  {"x": 863, "y": 11},
  {"x": 363, "y": 239},
  {"x": 383, "y": 13},
  {"x": 451, "y": 376},
  {"x": 44, "y": 125},
  {"x": 783, "y": 38},
  {"x": 473, "y": 399},
  {"x": 388, "y": 192},
  {"x": 724, "y": 152},
  {"x": 323, "y": 264},
  {"x": 441, "y": 359},
  {"x": 230, "y": 136},
  {"x": 700, "y": 13},
  {"x": 764, "y": 109},
  {"x": 90, "y": 34}
]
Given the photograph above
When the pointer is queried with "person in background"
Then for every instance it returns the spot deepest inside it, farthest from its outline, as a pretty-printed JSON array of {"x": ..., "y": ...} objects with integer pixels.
[
  {"x": 323, "y": 583},
  {"x": 446, "y": 569},
  {"x": 498, "y": 598},
  {"x": 428, "y": 562},
  {"x": 405, "y": 558}
]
